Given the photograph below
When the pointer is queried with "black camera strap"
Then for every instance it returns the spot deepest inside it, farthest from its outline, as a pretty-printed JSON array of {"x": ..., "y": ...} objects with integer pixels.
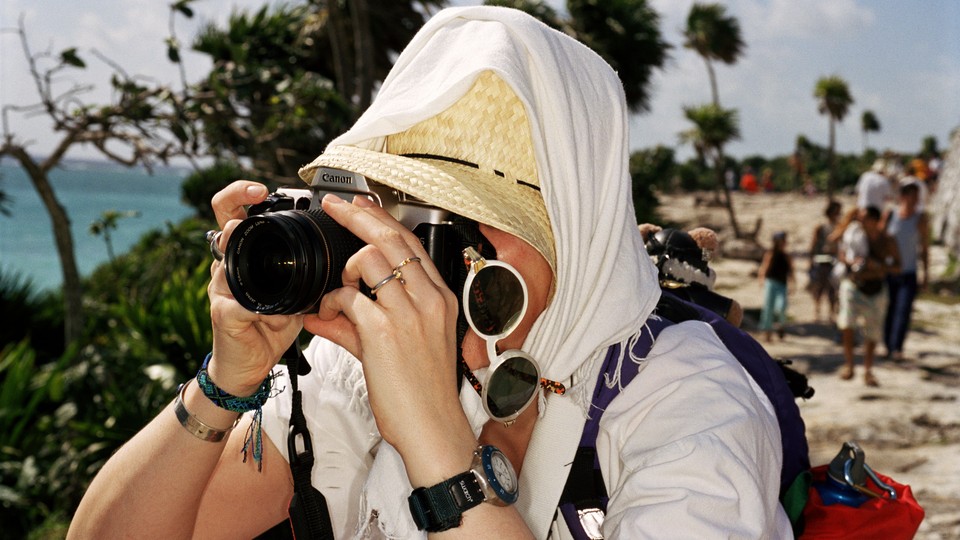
[{"x": 309, "y": 517}]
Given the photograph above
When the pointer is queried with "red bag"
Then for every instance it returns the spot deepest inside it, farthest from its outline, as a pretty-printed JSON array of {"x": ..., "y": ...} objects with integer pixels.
[{"x": 878, "y": 517}]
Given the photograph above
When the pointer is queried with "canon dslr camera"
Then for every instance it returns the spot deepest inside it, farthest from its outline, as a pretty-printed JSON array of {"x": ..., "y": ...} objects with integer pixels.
[{"x": 288, "y": 253}]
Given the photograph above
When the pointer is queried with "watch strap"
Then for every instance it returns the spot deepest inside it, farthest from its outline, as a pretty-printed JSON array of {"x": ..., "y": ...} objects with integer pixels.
[{"x": 441, "y": 507}]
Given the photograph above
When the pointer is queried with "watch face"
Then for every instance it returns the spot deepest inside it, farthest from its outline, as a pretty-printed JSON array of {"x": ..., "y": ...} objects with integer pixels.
[
  {"x": 501, "y": 478},
  {"x": 503, "y": 470}
]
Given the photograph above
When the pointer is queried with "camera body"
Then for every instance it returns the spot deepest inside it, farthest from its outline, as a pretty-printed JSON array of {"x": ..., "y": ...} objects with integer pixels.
[{"x": 288, "y": 253}]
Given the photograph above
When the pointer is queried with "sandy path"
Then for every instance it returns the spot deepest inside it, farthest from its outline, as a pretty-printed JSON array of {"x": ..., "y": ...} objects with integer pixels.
[{"x": 909, "y": 427}]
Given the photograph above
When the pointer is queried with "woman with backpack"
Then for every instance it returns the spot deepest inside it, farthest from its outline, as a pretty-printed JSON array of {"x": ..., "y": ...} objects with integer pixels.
[{"x": 500, "y": 120}]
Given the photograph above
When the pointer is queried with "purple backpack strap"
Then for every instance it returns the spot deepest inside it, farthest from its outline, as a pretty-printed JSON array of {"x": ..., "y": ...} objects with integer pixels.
[{"x": 584, "y": 498}]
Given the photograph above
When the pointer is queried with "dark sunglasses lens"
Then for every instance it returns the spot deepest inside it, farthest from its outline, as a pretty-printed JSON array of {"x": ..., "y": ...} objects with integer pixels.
[
  {"x": 511, "y": 386},
  {"x": 495, "y": 300}
]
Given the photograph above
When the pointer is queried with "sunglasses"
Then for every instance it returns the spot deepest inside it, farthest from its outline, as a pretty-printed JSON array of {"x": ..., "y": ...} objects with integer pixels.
[{"x": 494, "y": 302}]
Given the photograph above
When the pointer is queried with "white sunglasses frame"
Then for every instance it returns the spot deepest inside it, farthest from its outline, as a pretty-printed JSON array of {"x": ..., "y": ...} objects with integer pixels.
[{"x": 478, "y": 263}]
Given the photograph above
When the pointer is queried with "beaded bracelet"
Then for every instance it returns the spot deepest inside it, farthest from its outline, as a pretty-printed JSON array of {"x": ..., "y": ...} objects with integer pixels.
[{"x": 253, "y": 439}]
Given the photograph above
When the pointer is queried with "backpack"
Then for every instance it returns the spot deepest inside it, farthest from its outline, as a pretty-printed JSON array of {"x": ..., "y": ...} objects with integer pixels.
[{"x": 584, "y": 499}]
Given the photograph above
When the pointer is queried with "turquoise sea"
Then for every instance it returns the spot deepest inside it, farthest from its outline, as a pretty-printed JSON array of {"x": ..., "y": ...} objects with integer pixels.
[{"x": 86, "y": 190}]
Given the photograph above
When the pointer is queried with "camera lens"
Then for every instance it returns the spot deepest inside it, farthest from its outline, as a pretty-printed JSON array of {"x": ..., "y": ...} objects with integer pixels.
[{"x": 281, "y": 263}]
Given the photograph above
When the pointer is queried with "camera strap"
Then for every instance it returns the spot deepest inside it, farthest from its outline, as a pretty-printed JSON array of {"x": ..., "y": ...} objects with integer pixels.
[{"x": 309, "y": 516}]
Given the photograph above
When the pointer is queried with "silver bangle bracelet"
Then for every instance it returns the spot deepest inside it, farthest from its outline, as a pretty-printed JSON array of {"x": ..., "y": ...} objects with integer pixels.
[{"x": 194, "y": 425}]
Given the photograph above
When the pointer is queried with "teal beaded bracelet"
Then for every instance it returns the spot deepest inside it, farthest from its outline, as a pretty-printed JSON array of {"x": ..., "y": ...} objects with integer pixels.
[
  {"x": 228, "y": 401},
  {"x": 253, "y": 439}
]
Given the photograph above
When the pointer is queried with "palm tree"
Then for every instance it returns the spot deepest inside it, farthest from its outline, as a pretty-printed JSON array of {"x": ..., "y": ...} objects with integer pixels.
[
  {"x": 713, "y": 127},
  {"x": 834, "y": 100},
  {"x": 868, "y": 122},
  {"x": 714, "y": 36},
  {"x": 626, "y": 33}
]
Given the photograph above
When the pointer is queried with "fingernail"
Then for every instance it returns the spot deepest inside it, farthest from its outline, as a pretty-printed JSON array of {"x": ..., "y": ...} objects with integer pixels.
[
  {"x": 363, "y": 201},
  {"x": 256, "y": 191},
  {"x": 332, "y": 199}
]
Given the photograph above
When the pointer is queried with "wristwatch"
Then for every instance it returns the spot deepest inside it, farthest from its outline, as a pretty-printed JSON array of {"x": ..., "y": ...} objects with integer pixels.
[{"x": 491, "y": 479}]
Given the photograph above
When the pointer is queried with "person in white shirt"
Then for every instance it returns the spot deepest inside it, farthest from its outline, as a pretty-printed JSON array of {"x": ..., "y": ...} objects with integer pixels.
[
  {"x": 497, "y": 118},
  {"x": 874, "y": 187}
]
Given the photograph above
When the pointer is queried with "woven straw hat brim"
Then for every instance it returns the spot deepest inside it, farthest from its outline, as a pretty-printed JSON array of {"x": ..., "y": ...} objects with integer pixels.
[{"x": 478, "y": 195}]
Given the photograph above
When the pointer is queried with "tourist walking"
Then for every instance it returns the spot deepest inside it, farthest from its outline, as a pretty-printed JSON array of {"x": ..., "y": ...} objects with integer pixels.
[
  {"x": 911, "y": 230},
  {"x": 823, "y": 258},
  {"x": 869, "y": 255},
  {"x": 776, "y": 273}
]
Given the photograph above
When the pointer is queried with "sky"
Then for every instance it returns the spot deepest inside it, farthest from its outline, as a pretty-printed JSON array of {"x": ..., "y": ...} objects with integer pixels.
[{"x": 900, "y": 58}]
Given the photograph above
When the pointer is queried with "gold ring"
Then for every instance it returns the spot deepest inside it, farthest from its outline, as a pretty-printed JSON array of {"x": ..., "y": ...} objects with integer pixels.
[{"x": 408, "y": 260}]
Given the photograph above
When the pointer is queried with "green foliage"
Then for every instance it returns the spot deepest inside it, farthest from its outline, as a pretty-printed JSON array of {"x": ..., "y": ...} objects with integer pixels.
[
  {"x": 626, "y": 33},
  {"x": 269, "y": 96},
  {"x": 69, "y": 57},
  {"x": 869, "y": 122},
  {"x": 156, "y": 294},
  {"x": 34, "y": 482},
  {"x": 713, "y": 34},
  {"x": 713, "y": 127},
  {"x": 62, "y": 415},
  {"x": 200, "y": 187},
  {"x": 929, "y": 147},
  {"x": 536, "y": 8},
  {"x": 283, "y": 82},
  {"x": 833, "y": 97},
  {"x": 29, "y": 315},
  {"x": 650, "y": 169},
  {"x": 108, "y": 222},
  {"x": 695, "y": 175}
]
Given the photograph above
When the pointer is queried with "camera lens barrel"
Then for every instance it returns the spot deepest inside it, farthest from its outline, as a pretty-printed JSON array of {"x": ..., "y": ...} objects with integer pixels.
[{"x": 282, "y": 263}]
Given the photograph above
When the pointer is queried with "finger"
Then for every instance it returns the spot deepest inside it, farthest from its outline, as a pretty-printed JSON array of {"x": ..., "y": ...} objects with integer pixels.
[
  {"x": 229, "y": 202},
  {"x": 222, "y": 242},
  {"x": 375, "y": 226},
  {"x": 412, "y": 240},
  {"x": 370, "y": 266},
  {"x": 337, "y": 318}
]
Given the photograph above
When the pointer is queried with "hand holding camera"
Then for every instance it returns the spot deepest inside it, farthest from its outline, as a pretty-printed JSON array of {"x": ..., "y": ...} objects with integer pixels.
[
  {"x": 246, "y": 345},
  {"x": 311, "y": 258}
]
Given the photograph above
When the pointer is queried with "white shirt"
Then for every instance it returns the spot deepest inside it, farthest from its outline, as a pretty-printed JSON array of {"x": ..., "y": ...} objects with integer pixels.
[
  {"x": 873, "y": 189},
  {"x": 690, "y": 448}
]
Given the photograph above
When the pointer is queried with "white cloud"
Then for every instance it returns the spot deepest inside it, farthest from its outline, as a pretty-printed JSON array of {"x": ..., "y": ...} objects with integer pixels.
[
  {"x": 808, "y": 19},
  {"x": 910, "y": 80}
]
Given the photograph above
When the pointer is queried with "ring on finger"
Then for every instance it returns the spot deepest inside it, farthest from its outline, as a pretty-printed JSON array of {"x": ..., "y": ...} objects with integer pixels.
[
  {"x": 408, "y": 260},
  {"x": 395, "y": 275},
  {"x": 214, "y": 238}
]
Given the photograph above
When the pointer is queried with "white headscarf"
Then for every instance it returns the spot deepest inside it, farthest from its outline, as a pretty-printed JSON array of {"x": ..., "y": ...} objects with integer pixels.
[{"x": 606, "y": 284}]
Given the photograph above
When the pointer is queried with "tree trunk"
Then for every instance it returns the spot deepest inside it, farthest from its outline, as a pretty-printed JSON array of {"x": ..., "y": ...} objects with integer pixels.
[
  {"x": 342, "y": 65},
  {"x": 713, "y": 83},
  {"x": 727, "y": 198},
  {"x": 363, "y": 53},
  {"x": 72, "y": 288},
  {"x": 831, "y": 162}
]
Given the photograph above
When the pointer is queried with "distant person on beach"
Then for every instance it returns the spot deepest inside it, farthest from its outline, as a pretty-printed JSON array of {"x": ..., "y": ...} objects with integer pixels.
[
  {"x": 776, "y": 273},
  {"x": 874, "y": 187},
  {"x": 823, "y": 258},
  {"x": 869, "y": 254},
  {"x": 748, "y": 181},
  {"x": 910, "y": 228},
  {"x": 766, "y": 181}
]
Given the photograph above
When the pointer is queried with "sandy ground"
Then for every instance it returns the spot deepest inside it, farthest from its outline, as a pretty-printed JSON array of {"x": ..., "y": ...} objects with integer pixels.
[{"x": 909, "y": 427}]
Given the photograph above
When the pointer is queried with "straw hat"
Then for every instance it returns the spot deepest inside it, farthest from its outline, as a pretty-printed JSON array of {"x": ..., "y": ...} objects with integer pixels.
[{"x": 474, "y": 159}]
